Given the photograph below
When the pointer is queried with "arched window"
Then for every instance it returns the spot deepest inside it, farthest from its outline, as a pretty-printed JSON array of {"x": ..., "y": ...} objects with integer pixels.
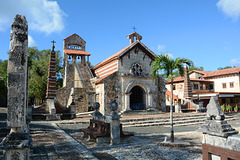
[{"x": 137, "y": 69}]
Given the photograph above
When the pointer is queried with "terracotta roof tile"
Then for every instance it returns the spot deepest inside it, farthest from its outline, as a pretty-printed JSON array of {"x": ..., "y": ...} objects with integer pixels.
[
  {"x": 202, "y": 72},
  {"x": 180, "y": 79},
  {"x": 222, "y": 72},
  {"x": 77, "y": 52}
]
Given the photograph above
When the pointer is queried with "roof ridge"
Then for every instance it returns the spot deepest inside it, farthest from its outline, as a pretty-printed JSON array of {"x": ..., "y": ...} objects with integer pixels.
[{"x": 113, "y": 56}]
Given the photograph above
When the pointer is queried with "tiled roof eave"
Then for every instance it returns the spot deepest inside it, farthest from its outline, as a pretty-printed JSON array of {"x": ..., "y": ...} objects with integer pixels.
[{"x": 209, "y": 76}]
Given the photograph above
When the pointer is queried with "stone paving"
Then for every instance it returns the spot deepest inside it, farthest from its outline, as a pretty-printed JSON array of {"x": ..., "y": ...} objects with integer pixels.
[{"x": 60, "y": 140}]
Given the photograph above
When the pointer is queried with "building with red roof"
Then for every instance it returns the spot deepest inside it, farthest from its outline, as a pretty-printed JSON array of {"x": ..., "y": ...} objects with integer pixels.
[
  {"x": 222, "y": 83},
  {"x": 123, "y": 77}
]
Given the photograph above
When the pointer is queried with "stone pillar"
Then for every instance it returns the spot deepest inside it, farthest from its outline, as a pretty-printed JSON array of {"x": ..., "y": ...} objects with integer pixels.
[
  {"x": 114, "y": 124},
  {"x": 178, "y": 107},
  {"x": 220, "y": 140},
  {"x": 127, "y": 101},
  {"x": 149, "y": 100},
  {"x": 16, "y": 144}
]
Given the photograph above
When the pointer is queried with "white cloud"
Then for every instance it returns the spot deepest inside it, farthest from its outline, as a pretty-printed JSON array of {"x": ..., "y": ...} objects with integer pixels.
[
  {"x": 31, "y": 41},
  {"x": 230, "y": 7},
  {"x": 171, "y": 55},
  {"x": 42, "y": 15},
  {"x": 235, "y": 62},
  {"x": 161, "y": 48}
]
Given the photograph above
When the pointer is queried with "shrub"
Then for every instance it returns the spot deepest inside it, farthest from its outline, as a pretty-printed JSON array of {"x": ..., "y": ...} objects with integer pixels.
[
  {"x": 236, "y": 108},
  {"x": 229, "y": 108},
  {"x": 223, "y": 107}
]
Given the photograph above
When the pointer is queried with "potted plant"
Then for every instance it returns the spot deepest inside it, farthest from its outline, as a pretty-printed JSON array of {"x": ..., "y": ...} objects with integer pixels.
[
  {"x": 236, "y": 108},
  {"x": 229, "y": 108},
  {"x": 223, "y": 108}
]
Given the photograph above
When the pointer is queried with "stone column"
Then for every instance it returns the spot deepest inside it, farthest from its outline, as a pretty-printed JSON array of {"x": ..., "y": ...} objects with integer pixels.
[
  {"x": 114, "y": 124},
  {"x": 127, "y": 101},
  {"x": 178, "y": 107},
  {"x": 16, "y": 144},
  {"x": 149, "y": 100}
]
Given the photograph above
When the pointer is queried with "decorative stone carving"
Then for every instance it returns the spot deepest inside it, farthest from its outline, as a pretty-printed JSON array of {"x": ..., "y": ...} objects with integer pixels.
[
  {"x": 214, "y": 110},
  {"x": 114, "y": 123},
  {"x": 16, "y": 144},
  {"x": 113, "y": 107},
  {"x": 96, "y": 112},
  {"x": 215, "y": 123}
]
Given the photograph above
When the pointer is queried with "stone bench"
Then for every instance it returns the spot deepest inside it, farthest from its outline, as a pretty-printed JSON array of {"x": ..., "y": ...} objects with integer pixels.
[{"x": 97, "y": 129}]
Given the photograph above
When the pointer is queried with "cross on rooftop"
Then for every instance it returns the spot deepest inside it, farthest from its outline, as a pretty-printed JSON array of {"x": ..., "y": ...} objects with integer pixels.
[
  {"x": 53, "y": 44},
  {"x": 134, "y": 28}
]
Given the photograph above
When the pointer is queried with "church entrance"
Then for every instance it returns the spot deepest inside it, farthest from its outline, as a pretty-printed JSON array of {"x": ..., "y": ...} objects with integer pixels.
[{"x": 137, "y": 98}]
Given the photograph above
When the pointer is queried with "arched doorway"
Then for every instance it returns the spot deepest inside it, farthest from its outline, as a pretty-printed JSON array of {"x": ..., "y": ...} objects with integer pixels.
[{"x": 137, "y": 101}]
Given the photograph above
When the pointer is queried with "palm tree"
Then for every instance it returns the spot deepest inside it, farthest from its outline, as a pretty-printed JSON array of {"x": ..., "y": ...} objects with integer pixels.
[{"x": 166, "y": 67}]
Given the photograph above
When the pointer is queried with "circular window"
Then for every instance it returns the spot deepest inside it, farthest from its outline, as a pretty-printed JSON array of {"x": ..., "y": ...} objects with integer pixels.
[{"x": 137, "y": 69}]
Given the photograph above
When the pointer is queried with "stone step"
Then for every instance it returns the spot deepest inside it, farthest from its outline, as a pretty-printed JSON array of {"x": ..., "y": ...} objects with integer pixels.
[
  {"x": 162, "y": 118},
  {"x": 163, "y": 123},
  {"x": 159, "y": 119},
  {"x": 177, "y": 121}
]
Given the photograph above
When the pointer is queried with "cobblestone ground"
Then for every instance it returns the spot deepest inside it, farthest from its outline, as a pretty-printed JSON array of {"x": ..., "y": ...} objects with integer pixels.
[
  {"x": 142, "y": 146},
  {"x": 51, "y": 143},
  {"x": 59, "y": 141}
]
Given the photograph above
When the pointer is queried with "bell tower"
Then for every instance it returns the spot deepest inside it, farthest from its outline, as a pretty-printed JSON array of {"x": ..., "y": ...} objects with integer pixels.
[
  {"x": 134, "y": 37},
  {"x": 73, "y": 49}
]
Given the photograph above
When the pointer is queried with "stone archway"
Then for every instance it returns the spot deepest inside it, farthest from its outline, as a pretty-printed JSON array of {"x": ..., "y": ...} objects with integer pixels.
[
  {"x": 147, "y": 95},
  {"x": 137, "y": 98}
]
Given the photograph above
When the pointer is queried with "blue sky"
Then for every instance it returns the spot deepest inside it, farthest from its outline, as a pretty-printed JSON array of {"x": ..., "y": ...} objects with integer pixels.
[{"x": 205, "y": 31}]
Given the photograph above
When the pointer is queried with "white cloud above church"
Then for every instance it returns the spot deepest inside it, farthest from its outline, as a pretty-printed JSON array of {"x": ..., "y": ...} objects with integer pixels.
[
  {"x": 42, "y": 15},
  {"x": 230, "y": 8},
  {"x": 31, "y": 41}
]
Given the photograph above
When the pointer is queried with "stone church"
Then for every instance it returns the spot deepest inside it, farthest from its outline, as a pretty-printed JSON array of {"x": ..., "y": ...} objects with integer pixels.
[{"x": 124, "y": 77}]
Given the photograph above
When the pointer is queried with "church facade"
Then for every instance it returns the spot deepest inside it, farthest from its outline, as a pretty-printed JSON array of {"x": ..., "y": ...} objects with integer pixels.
[{"x": 124, "y": 77}]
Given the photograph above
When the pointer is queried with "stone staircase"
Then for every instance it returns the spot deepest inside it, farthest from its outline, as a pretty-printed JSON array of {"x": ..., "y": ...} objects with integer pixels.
[
  {"x": 85, "y": 72},
  {"x": 181, "y": 120}
]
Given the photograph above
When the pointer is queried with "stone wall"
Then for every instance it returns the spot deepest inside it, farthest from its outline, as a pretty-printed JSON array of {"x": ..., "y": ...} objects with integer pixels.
[
  {"x": 100, "y": 93},
  {"x": 62, "y": 95},
  {"x": 70, "y": 74},
  {"x": 159, "y": 96},
  {"x": 111, "y": 87},
  {"x": 126, "y": 62},
  {"x": 81, "y": 100}
]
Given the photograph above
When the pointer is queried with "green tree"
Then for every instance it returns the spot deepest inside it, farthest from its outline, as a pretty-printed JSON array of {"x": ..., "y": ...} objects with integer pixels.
[
  {"x": 38, "y": 62},
  {"x": 3, "y": 70},
  {"x": 193, "y": 67},
  {"x": 165, "y": 66},
  {"x": 226, "y": 67}
]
